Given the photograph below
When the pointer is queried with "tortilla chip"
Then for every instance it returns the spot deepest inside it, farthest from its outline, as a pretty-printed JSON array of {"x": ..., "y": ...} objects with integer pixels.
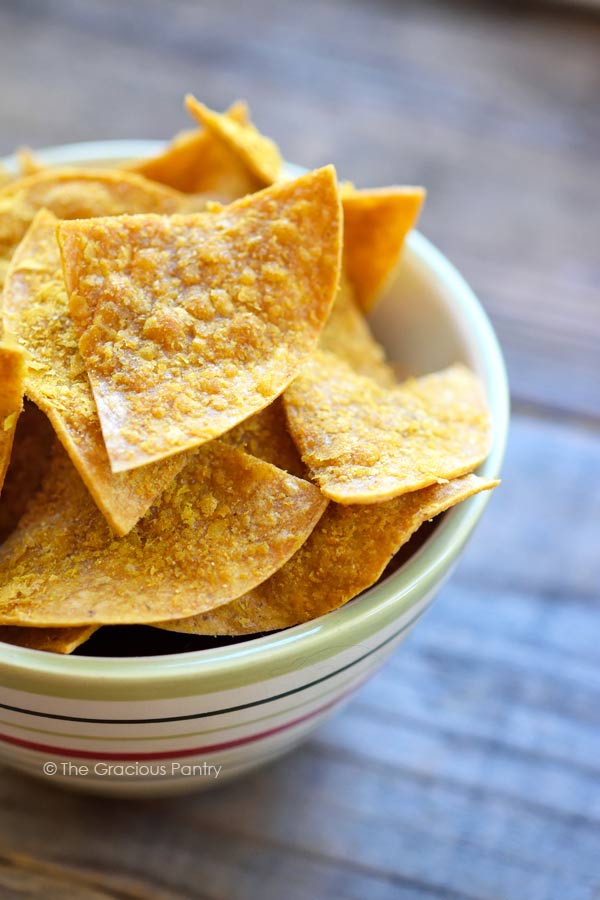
[
  {"x": 51, "y": 640},
  {"x": 199, "y": 162},
  {"x": 6, "y": 176},
  {"x": 226, "y": 523},
  {"x": 189, "y": 324},
  {"x": 266, "y": 436},
  {"x": 346, "y": 553},
  {"x": 28, "y": 162},
  {"x": 365, "y": 444},
  {"x": 12, "y": 377},
  {"x": 75, "y": 194},
  {"x": 33, "y": 443},
  {"x": 259, "y": 154},
  {"x": 347, "y": 334},
  {"x": 36, "y": 309},
  {"x": 376, "y": 223}
]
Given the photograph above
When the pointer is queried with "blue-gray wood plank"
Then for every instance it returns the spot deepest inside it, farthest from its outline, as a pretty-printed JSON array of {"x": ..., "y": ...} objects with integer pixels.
[{"x": 470, "y": 767}]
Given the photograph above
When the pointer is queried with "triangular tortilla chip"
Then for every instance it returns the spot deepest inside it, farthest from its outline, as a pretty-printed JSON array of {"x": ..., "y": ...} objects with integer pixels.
[
  {"x": 376, "y": 223},
  {"x": 12, "y": 381},
  {"x": 365, "y": 444},
  {"x": 76, "y": 194},
  {"x": 260, "y": 154},
  {"x": 32, "y": 448},
  {"x": 36, "y": 310},
  {"x": 51, "y": 640},
  {"x": 226, "y": 523},
  {"x": 200, "y": 162},
  {"x": 266, "y": 436},
  {"x": 345, "y": 554},
  {"x": 189, "y": 324},
  {"x": 347, "y": 335},
  {"x": 28, "y": 162}
]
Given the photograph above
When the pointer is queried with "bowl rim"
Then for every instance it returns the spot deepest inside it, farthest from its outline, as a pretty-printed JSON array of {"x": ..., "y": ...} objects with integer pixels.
[{"x": 257, "y": 659}]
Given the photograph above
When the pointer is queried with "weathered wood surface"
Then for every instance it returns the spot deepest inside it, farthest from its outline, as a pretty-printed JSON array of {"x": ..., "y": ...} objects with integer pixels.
[{"x": 471, "y": 766}]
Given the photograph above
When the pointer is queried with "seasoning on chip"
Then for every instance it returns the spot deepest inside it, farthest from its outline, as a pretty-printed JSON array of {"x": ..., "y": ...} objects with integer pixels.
[
  {"x": 189, "y": 324},
  {"x": 376, "y": 222},
  {"x": 36, "y": 311},
  {"x": 201, "y": 162},
  {"x": 50, "y": 640},
  {"x": 12, "y": 377},
  {"x": 227, "y": 522},
  {"x": 73, "y": 193},
  {"x": 364, "y": 443},
  {"x": 347, "y": 335},
  {"x": 345, "y": 554},
  {"x": 259, "y": 153}
]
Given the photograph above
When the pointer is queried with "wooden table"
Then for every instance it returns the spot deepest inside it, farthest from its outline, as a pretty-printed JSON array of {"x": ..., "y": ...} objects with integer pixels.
[{"x": 470, "y": 766}]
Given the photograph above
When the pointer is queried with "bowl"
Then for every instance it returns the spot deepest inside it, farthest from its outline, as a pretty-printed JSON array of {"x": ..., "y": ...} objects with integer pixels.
[{"x": 179, "y": 723}]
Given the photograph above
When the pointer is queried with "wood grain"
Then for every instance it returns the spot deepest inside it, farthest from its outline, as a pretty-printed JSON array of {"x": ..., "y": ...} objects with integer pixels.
[{"x": 470, "y": 767}]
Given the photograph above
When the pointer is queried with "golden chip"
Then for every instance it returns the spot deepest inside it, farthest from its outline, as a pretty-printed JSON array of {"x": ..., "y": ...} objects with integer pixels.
[
  {"x": 376, "y": 223},
  {"x": 200, "y": 162},
  {"x": 28, "y": 162},
  {"x": 259, "y": 154},
  {"x": 364, "y": 443},
  {"x": 12, "y": 377},
  {"x": 266, "y": 436},
  {"x": 33, "y": 443},
  {"x": 226, "y": 523},
  {"x": 345, "y": 554},
  {"x": 75, "y": 194},
  {"x": 347, "y": 334},
  {"x": 36, "y": 311},
  {"x": 51, "y": 640},
  {"x": 189, "y": 324}
]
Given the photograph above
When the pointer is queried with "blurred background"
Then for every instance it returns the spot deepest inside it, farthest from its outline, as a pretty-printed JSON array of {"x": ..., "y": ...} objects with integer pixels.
[{"x": 470, "y": 767}]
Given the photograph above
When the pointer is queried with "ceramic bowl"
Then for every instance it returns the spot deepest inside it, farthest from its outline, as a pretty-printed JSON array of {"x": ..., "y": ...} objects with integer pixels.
[{"x": 168, "y": 724}]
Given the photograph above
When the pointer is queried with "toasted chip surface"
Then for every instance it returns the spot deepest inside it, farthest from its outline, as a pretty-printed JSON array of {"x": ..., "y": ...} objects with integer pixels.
[
  {"x": 226, "y": 523},
  {"x": 259, "y": 153},
  {"x": 266, "y": 436},
  {"x": 51, "y": 640},
  {"x": 365, "y": 444},
  {"x": 72, "y": 193},
  {"x": 201, "y": 162},
  {"x": 189, "y": 324},
  {"x": 36, "y": 311},
  {"x": 376, "y": 223},
  {"x": 12, "y": 379},
  {"x": 347, "y": 335},
  {"x": 345, "y": 554},
  {"x": 32, "y": 448}
]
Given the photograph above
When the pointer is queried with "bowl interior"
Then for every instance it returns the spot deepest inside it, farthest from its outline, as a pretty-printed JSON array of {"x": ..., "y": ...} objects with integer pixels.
[{"x": 427, "y": 319}]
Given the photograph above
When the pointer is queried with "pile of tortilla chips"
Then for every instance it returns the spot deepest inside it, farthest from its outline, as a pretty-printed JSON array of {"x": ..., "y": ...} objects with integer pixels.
[{"x": 198, "y": 430}]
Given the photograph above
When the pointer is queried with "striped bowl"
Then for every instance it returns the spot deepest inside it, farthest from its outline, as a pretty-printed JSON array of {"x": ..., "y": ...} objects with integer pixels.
[{"x": 179, "y": 723}]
